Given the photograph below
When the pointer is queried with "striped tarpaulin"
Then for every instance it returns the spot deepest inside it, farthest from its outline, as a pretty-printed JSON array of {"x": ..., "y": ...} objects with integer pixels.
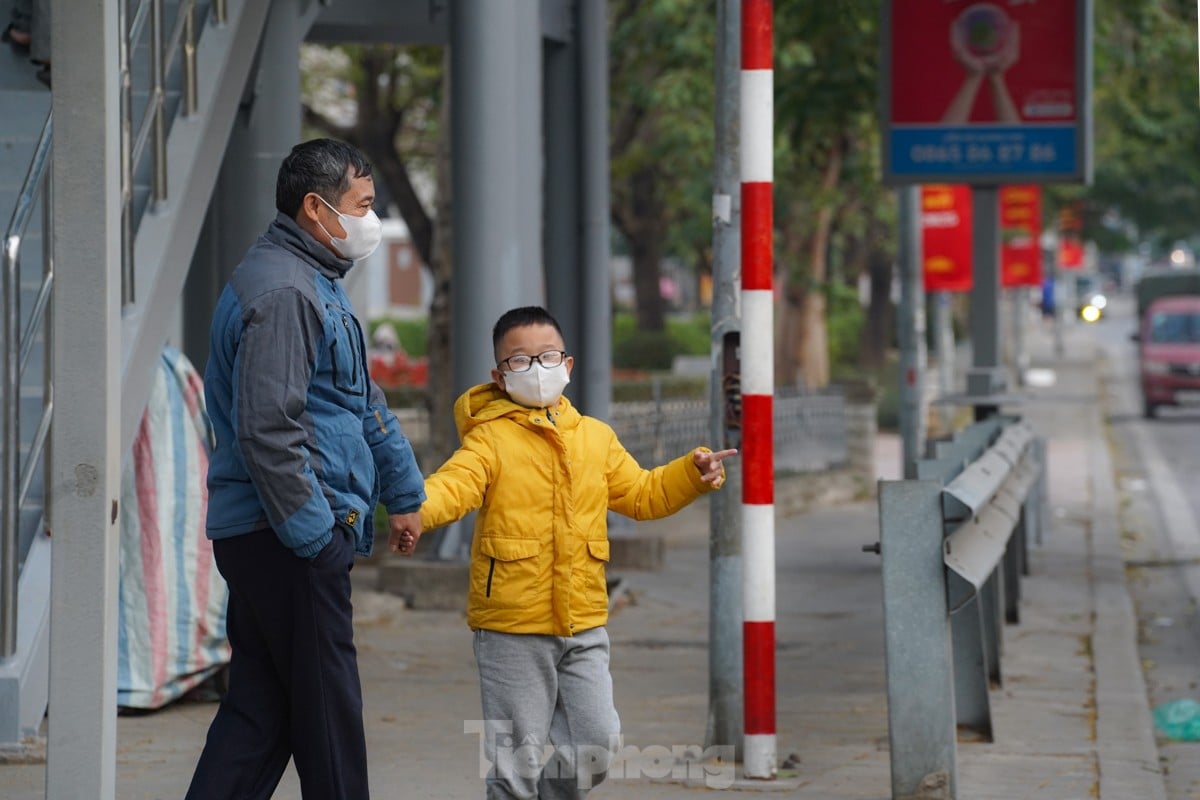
[{"x": 171, "y": 628}]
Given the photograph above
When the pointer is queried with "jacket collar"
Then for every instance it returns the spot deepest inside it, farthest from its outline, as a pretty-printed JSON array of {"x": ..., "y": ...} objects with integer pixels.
[{"x": 287, "y": 233}]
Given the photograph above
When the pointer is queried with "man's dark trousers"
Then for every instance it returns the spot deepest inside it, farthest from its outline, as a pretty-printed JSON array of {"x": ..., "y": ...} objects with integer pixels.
[{"x": 294, "y": 689}]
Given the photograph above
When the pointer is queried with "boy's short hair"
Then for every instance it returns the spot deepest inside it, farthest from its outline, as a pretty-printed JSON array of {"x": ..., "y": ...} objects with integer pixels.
[{"x": 519, "y": 318}]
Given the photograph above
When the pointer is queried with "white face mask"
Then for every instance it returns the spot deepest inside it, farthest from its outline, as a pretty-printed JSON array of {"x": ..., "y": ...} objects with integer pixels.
[
  {"x": 363, "y": 234},
  {"x": 537, "y": 387}
]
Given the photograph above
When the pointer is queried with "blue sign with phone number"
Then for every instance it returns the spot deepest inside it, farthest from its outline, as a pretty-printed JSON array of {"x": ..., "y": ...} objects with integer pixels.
[{"x": 1029, "y": 151}]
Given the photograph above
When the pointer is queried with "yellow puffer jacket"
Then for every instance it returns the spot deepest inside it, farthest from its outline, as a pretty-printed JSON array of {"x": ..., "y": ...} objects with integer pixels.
[{"x": 543, "y": 483}]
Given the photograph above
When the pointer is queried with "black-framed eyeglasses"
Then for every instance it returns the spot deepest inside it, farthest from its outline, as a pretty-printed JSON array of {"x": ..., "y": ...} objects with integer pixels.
[{"x": 522, "y": 362}]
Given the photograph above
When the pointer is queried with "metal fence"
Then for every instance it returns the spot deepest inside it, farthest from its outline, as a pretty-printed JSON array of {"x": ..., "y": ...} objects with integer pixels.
[{"x": 810, "y": 429}]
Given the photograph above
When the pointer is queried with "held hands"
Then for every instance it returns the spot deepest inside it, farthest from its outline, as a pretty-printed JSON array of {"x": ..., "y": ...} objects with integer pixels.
[
  {"x": 709, "y": 464},
  {"x": 403, "y": 532}
]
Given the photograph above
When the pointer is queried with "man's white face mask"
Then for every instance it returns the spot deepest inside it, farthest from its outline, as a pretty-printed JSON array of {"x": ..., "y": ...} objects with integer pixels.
[
  {"x": 538, "y": 386},
  {"x": 363, "y": 234}
]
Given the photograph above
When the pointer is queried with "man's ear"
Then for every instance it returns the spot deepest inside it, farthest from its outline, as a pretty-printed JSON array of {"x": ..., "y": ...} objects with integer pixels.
[{"x": 310, "y": 206}]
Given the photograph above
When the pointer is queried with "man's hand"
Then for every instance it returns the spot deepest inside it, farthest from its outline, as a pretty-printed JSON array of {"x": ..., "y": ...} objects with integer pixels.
[
  {"x": 403, "y": 532},
  {"x": 709, "y": 465}
]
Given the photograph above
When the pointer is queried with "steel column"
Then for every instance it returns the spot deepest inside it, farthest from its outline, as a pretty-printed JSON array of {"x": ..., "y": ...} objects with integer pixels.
[
  {"x": 85, "y": 481},
  {"x": 266, "y": 127},
  {"x": 596, "y": 347},
  {"x": 560, "y": 107},
  {"x": 910, "y": 319},
  {"x": 496, "y": 131},
  {"x": 986, "y": 377},
  {"x": 725, "y": 528}
]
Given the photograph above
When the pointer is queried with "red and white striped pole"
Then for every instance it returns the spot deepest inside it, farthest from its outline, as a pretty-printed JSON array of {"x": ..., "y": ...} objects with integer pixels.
[{"x": 758, "y": 389}]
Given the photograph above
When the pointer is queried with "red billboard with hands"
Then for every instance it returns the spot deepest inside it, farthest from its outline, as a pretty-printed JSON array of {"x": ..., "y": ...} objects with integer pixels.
[{"x": 1007, "y": 61}]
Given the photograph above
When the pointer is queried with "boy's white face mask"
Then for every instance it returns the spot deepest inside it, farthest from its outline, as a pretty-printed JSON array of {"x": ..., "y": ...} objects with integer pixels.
[{"x": 538, "y": 386}]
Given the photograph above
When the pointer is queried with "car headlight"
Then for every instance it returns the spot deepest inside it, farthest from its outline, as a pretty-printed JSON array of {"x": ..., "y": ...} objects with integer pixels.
[
  {"x": 1099, "y": 301},
  {"x": 1156, "y": 367}
]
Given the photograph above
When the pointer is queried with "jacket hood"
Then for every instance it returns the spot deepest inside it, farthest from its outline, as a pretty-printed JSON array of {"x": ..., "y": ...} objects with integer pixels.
[
  {"x": 487, "y": 402},
  {"x": 287, "y": 233}
]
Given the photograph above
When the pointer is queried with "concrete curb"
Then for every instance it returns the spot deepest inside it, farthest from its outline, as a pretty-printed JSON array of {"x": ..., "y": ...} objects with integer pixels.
[{"x": 1127, "y": 752}]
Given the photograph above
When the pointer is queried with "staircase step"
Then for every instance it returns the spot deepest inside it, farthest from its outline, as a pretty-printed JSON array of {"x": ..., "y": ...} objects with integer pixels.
[
  {"x": 23, "y": 112},
  {"x": 16, "y": 71}
]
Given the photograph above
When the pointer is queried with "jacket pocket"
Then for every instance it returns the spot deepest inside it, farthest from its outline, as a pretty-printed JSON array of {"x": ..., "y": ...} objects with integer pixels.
[
  {"x": 598, "y": 549},
  {"x": 346, "y": 355},
  {"x": 507, "y": 571},
  {"x": 590, "y": 576}
]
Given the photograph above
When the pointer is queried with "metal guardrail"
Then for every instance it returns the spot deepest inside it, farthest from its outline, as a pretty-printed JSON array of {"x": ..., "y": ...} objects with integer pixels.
[
  {"x": 16, "y": 476},
  {"x": 166, "y": 47},
  {"x": 954, "y": 544}
]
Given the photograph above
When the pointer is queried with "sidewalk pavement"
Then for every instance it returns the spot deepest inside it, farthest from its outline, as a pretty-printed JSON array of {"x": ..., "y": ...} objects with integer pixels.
[{"x": 1071, "y": 720}]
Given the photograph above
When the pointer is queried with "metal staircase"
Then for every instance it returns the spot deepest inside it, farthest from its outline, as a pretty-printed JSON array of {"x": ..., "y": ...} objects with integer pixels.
[{"x": 183, "y": 66}]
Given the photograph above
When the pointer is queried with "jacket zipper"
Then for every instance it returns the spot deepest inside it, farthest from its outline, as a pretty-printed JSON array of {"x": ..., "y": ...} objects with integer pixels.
[
  {"x": 491, "y": 572},
  {"x": 353, "y": 346}
]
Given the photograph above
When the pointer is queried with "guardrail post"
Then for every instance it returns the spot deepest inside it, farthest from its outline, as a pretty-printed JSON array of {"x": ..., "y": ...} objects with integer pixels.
[
  {"x": 954, "y": 543},
  {"x": 920, "y": 683},
  {"x": 1042, "y": 488},
  {"x": 973, "y": 710},
  {"x": 991, "y": 605},
  {"x": 1014, "y": 562}
]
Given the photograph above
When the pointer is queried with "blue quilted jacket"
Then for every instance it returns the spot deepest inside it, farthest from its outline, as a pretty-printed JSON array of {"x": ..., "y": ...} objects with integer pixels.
[{"x": 304, "y": 439}]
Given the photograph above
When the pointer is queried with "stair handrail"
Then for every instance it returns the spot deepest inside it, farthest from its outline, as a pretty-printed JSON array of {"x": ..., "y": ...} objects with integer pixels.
[
  {"x": 15, "y": 477},
  {"x": 152, "y": 130}
]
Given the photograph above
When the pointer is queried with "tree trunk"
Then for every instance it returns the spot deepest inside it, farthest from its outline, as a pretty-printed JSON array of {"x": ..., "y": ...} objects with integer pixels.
[
  {"x": 439, "y": 392},
  {"x": 645, "y": 242},
  {"x": 815, "y": 349},
  {"x": 803, "y": 353},
  {"x": 877, "y": 332},
  {"x": 788, "y": 357}
]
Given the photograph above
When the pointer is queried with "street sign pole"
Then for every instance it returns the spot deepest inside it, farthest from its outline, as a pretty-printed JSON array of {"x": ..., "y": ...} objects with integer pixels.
[{"x": 725, "y": 523}]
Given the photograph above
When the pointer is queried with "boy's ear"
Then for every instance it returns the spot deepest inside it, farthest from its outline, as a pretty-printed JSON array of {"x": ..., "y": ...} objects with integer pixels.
[{"x": 498, "y": 379}]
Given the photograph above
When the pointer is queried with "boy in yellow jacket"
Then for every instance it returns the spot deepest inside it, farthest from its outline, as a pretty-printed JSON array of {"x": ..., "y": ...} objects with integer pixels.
[{"x": 543, "y": 478}]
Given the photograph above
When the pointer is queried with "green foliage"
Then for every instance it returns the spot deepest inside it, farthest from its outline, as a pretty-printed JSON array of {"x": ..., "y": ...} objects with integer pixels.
[
  {"x": 1147, "y": 137},
  {"x": 670, "y": 387},
  {"x": 845, "y": 319},
  {"x": 661, "y": 107},
  {"x": 644, "y": 350},
  {"x": 882, "y": 385},
  {"x": 656, "y": 350}
]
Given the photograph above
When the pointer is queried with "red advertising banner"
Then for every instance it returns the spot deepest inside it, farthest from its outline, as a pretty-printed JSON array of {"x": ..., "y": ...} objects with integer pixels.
[
  {"x": 1009, "y": 61},
  {"x": 946, "y": 237},
  {"x": 1020, "y": 231},
  {"x": 1070, "y": 236},
  {"x": 986, "y": 92}
]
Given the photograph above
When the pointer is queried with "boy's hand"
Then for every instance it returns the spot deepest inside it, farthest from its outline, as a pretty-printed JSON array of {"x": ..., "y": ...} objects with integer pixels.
[
  {"x": 403, "y": 532},
  {"x": 709, "y": 464}
]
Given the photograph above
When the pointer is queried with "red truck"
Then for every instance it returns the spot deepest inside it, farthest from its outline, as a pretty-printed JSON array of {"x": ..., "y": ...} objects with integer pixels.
[{"x": 1168, "y": 338}]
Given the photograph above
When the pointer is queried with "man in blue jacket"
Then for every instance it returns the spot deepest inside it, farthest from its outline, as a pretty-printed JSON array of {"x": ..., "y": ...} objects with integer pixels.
[{"x": 305, "y": 449}]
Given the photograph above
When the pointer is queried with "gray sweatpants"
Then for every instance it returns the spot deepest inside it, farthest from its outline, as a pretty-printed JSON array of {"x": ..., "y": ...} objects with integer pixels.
[{"x": 550, "y": 726}]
